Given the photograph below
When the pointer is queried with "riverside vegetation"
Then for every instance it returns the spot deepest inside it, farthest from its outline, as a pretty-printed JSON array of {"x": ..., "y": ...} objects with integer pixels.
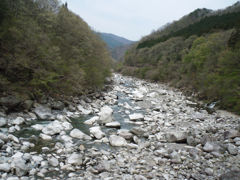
[
  {"x": 200, "y": 52},
  {"x": 45, "y": 49}
]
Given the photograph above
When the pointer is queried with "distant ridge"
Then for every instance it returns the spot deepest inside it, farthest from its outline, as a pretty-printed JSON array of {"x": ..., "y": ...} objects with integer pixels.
[{"x": 116, "y": 45}]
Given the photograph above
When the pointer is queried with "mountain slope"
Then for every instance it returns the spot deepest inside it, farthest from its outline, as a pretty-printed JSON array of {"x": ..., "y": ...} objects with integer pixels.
[
  {"x": 199, "y": 53},
  {"x": 116, "y": 45},
  {"x": 47, "y": 49}
]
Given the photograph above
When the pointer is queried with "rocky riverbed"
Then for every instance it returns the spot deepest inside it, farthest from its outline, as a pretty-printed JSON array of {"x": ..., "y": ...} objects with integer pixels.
[{"x": 137, "y": 130}]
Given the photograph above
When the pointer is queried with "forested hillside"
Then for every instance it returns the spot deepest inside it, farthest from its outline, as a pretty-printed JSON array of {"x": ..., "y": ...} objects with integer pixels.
[
  {"x": 200, "y": 52},
  {"x": 116, "y": 45},
  {"x": 47, "y": 49}
]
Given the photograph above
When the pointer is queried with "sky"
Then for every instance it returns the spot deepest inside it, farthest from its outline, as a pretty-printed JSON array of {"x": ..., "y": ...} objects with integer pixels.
[{"x": 134, "y": 19}]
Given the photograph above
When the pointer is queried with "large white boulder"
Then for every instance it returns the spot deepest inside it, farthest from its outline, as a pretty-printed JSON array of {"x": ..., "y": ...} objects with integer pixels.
[
  {"x": 136, "y": 116},
  {"x": 18, "y": 121},
  {"x": 83, "y": 110},
  {"x": 53, "y": 128},
  {"x": 97, "y": 132},
  {"x": 92, "y": 120},
  {"x": 105, "y": 115},
  {"x": 75, "y": 159},
  {"x": 114, "y": 124},
  {"x": 117, "y": 141},
  {"x": 76, "y": 133},
  {"x": 43, "y": 112}
]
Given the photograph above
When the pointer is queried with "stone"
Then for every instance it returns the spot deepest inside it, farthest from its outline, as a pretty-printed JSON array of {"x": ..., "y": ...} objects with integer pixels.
[
  {"x": 84, "y": 111},
  {"x": 209, "y": 171},
  {"x": 1, "y": 143},
  {"x": 53, "y": 128},
  {"x": 12, "y": 178},
  {"x": 11, "y": 102},
  {"x": 211, "y": 147},
  {"x": 231, "y": 134},
  {"x": 27, "y": 104},
  {"x": 45, "y": 137},
  {"x": 97, "y": 132},
  {"x": 58, "y": 105},
  {"x": 76, "y": 133},
  {"x": 5, "y": 167},
  {"x": 231, "y": 175},
  {"x": 53, "y": 161},
  {"x": 136, "y": 117},
  {"x": 137, "y": 131},
  {"x": 117, "y": 141},
  {"x": 3, "y": 121},
  {"x": 37, "y": 159},
  {"x": 13, "y": 138},
  {"x": 176, "y": 136},
  {"x": 18, "y": 121},
  {"x": 140, "y": 177},
  {"x": 37, "y": 127},
  {"x": 20, "y": 166},
  {"x": 137, "y": 95},
  {"x": 114, "y": 124},
  {"x": 75, "y": 159},
  {"x": 67, "y": 126},
  {"x": 191, "y": 141},
  {"x": 105, "y": 115},
  {"x": 126, "y": 134},
  {"x": 43, "y": 112},
  {"x": 3, "y": 137},
  {"x": 92, "y": 120},
  {"x": 233, "y": 150}
]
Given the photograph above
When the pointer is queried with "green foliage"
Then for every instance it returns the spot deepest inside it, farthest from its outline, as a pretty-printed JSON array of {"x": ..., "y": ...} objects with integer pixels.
[
  {"x": 205, "y": 25},
  {"x": 205, "y": 64},
  {"x": 45, "y": 48}
]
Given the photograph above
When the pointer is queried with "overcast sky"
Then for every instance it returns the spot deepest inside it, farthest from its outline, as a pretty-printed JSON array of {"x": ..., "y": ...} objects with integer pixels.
[{"x": 134, "y": 19}]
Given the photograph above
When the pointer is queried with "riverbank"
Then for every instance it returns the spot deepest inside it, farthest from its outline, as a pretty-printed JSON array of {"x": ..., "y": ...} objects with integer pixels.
[{"x": 136, "y": 130}]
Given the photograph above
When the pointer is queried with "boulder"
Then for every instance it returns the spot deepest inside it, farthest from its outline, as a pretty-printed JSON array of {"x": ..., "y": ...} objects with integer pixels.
[
  {"x": 3, "y": 121},
  {"x": 67, "y": 126},
  {"x": 53, "y": 161},
  {"x": 117, "y": 141},
  {"x": 76, "y": 133},
  {"x": 1, "y": 143},
  {"x": 58, "y": 105},
  {"x": 114, "y": 124},
  {"x": 92, "y": 120},
  {"x": 5, "y": 167},
  {"x": 43, "y": 112},
  {"x": 84, "y": 111},
  {"x": 75, "y": 159},
  {"x": 136, "y": 117},
  {"x": 18, "y": 121},
  {"x": 3, "y": 137},
  {"x": 211, "y": 147},
  {"x": 105, "y": 115},
  {"x": 53, "y": 128},
  {"x": 231, "y": 134},
  {"x": 176, "y": 136},
  {"x": 37, "y": 127},
  {"x": 11, "y": 102},
  {"x": 19, "y": 165},
  {"x": 126, "y": 134},
  {"x": 231, "y": 175},
  {"x": 138, "y": 131},
  {"x": 13, "y": 138},
  {"x": 45, "y": 137},
  {"x": 233, "y": 150},
  {"x": 97, "y": 132},
  {"x": 27, "y": 104}
]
